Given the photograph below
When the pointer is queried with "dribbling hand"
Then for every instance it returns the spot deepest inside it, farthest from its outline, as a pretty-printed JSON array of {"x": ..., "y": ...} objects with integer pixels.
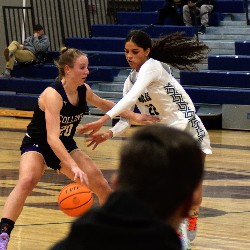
[{"x": 78, "y": 173}]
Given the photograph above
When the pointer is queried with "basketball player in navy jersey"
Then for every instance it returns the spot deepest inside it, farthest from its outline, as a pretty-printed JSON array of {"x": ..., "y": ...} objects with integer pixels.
[{"x": 49, "y": 138}]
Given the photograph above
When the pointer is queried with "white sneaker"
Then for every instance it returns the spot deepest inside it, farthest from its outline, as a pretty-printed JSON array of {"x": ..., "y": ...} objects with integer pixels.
[
  {"x": 185, "y": 242},
  {"x": 4, "y": 240}
]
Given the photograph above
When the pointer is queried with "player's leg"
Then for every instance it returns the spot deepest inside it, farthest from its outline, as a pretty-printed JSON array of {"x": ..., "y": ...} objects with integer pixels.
[
  {"x": 30, "y": 171},
  {"x": 188, "y": 228},
  {"x": 97, "y": 183},
  {"x": 185, "y": 242},
  {"x": 194, "y": 212}
]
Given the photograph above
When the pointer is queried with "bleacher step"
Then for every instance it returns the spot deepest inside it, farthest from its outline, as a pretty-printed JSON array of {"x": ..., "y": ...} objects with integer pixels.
[
  {"x": 225, "y": 37},
  {"x": 228, "y": 31},
  {"x": 232, "y": 23}
]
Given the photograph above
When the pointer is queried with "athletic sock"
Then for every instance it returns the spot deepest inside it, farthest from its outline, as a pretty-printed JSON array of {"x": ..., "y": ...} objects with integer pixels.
[
  {"x": 194, "y": 213},
  {"x": 6, "y": 225}
]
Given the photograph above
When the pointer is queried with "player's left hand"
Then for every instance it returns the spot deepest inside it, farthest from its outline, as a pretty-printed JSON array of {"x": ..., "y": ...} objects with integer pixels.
[
  {"x": 90, "y": 127},
  {"x": 95, "y": 139}
]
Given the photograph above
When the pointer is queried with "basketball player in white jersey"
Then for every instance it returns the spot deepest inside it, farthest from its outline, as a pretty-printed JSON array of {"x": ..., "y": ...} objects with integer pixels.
[{"x": 152, "y": 88}]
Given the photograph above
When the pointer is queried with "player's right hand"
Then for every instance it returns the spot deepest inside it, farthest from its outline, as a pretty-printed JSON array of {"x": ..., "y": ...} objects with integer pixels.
[{"x": 79, "y": 174}]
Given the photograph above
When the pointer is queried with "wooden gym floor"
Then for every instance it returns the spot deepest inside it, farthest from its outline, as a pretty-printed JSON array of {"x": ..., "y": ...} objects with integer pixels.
[{"x": 225, "y": 214}]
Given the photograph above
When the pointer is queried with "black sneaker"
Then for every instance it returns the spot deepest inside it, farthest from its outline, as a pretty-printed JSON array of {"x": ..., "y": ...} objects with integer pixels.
[{"x": 202, "y": 30}]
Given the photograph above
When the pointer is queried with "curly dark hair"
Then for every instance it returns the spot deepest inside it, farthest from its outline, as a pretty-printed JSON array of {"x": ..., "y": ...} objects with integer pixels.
[{"x": 175, "y": 49}]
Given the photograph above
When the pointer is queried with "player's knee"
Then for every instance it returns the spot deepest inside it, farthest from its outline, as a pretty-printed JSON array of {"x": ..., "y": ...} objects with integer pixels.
[
  {"x": 28, "y": 183},
  {"x": 99, "y": 184}
]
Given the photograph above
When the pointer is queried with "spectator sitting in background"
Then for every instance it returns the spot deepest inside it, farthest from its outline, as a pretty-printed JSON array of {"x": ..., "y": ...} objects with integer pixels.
[
  {"x": 33, "y": 47},
  {"x": 171, "y": 8},
  {"x": 201, "y": 8},
  {"x": 159, "y": 172}
]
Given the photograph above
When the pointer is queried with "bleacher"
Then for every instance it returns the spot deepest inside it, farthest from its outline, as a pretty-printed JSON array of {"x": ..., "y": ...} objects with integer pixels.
[
  {"x": 229, "y": 62},
  {"x": 149, "y": 14},
  {"x": 221, "y": 6},
  {"x": 224, "y": 82},
  {"x": 121, "y": 30}
]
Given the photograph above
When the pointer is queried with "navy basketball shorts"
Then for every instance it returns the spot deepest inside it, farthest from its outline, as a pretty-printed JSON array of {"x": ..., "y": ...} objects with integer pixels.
[{"x": 51, "y": 160}]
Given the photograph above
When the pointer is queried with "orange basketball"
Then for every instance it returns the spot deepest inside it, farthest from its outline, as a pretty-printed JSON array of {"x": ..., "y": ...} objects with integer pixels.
[{"x": 75, "y": 199}]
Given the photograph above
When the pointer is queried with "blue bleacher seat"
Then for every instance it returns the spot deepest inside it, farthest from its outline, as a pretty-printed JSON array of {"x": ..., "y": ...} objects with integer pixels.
[
  {"x": 51, "y": 56},
  {"x": 213, "y": 78},
  {"x": 242, "y": 48},
  {"x": 49, "y": 71},
  {"x": 229, "y": 62},
  {"x": 24, "y": 85},
  {"x": 215, "y": 18},
  {"x": 107, "y": 58},
  {"x": 151, "y": 5},
  {"x": 229, "y": 6},
  {"x": 21, "y": 102},
  {"x": 121, "y": 30},
  {"x": 96, "y": 44},
  {"x": 217, "y": 87},
  {"x": 124, "y": 17},
  {"x": 219, "y": 95},
  {"x": 147, "y": 18},
  {"x": 221, "y": 6}
]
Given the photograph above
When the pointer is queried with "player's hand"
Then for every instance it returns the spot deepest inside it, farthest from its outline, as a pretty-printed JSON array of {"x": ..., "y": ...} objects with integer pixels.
[
  {"x": 95, "y": 139},
  {"x": 146, "y": 119},
  {"x": 92, "y": 127},
  {"x": 79, "y": 174}
]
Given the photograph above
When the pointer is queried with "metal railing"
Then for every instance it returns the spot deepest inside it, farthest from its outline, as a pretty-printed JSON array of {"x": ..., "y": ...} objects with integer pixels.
[
  {"x": 18, "y": 22},
  {"x": 247, "y": 12},
  {"x": 47, "y": 13},
  {"x": 62, "y": 18}
]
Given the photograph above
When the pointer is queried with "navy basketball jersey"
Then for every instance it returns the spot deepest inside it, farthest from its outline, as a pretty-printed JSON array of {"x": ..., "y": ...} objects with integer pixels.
[{"x": 70, "y": 115}]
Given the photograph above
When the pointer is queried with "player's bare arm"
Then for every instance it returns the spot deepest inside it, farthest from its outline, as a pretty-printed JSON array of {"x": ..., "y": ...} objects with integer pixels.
[{"x": 51, "y": 103}]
